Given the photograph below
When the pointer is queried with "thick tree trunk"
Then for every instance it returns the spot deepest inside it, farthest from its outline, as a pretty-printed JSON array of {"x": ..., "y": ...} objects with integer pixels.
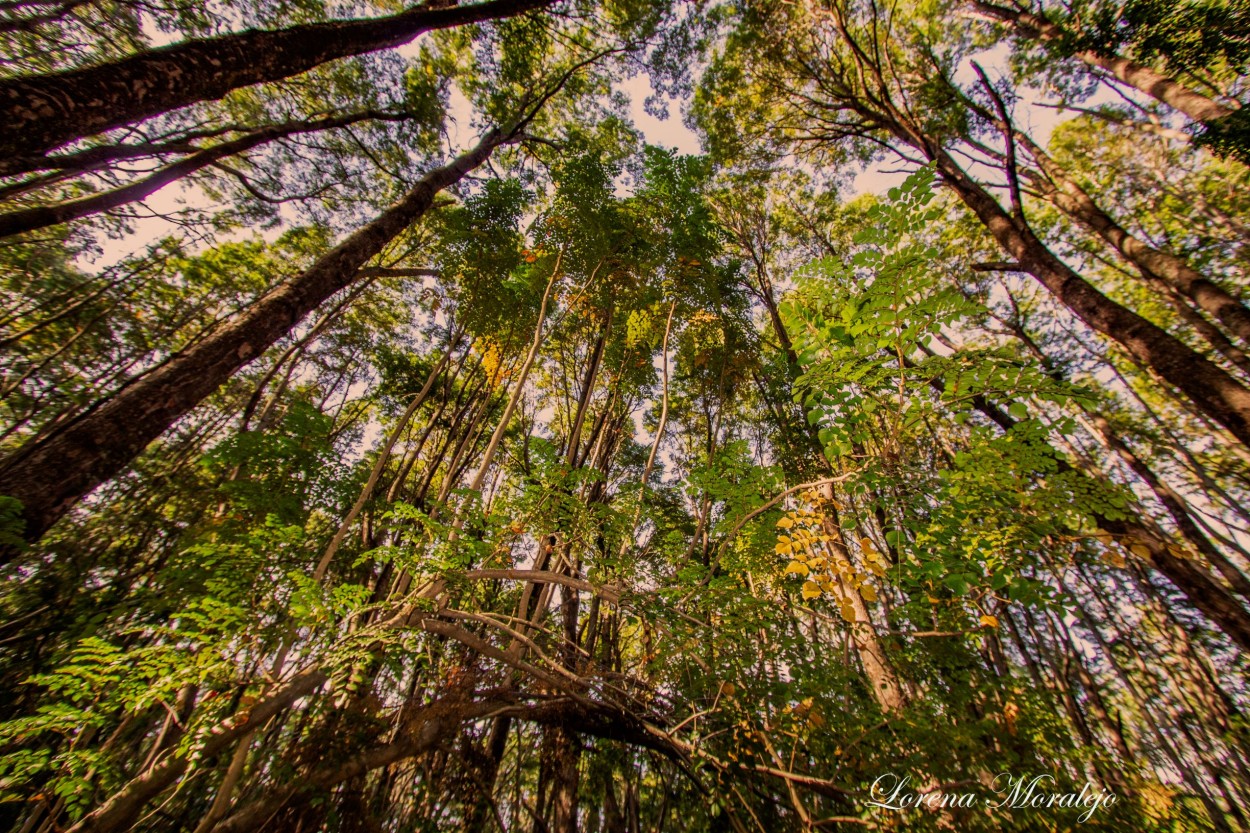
[
  {"x": 52, "y": 475},
  {"x": 1216, "y": 393},
  {"x": 1073, "y": 200},
  {"x": 45, "y": 111},
  {"x": 1158, "y": 86},
  {"x": 567, "y": 748},
  {"x": 30, "y": 219}
]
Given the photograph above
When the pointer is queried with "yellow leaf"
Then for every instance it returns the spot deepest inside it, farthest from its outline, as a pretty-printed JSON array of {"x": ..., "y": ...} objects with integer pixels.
[
  {"x": 848, "y": 611},
  {"x": 868, "y": 592},
  {"x": 1140, "y": 550},
  {"x": 988, "y": 621},
  {"x": 785, "y": 523},
  {"x": 796, "y": 568},
  {"x": 783, "y": 549},
  {"x": 810, "y": 590}
]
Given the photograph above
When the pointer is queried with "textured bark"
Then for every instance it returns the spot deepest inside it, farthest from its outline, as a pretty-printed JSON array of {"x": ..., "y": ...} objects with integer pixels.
[
  {"x": 567, "y": 748},
  {"x": 51, "y": 475},
  {"x": 1214, "y": 392},
  {"x": 1074, "y": 201},
  {"x": 1142, "y": 78},
  {"x": 30, "y": 219},
  {"x": 45, "y": 111}
]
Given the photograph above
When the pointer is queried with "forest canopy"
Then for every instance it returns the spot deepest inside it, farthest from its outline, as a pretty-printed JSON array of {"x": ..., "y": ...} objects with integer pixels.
[{"x": 398, "y": 432}]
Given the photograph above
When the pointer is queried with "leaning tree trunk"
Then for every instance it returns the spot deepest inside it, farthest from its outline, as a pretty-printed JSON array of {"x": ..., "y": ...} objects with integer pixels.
[
  {"x": 1155, "y": 84},
  {"x": 51, "y": 475},
  {"x": 43, "y": 112},
  {"x": 1219, "y": 606},
  {"x": 1074, "y": 201},
  {"x": 42, "y": 216},
  {"x": 1213, "y": 391}
]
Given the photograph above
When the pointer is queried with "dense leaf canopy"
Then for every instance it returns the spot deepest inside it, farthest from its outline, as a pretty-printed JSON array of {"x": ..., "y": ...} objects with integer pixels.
[{"x": 398, "y": 433}]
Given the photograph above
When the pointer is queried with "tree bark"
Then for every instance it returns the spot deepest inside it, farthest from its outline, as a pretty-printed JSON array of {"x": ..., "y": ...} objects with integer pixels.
[
  {"x": 1155, "y": 84},
  {"x": 30, "y": 219},
  {"x": 1214, "y": 392},
  {"x": 50, "y": 476},
  {"x": 879, "y": 672},
  {"x": 43, "y": 112},
  {"x": 1073, "y": 200}
]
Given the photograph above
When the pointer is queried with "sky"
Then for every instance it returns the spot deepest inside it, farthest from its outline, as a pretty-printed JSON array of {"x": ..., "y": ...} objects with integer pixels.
[{"x": 669, "y": 133}]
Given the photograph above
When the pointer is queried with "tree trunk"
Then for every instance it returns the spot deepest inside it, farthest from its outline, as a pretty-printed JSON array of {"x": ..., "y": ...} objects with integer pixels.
[
  {"x": 1216, "y": 393},
  {"x": 379, "y": 465},
  {"x": 1175, "y": 505},
  {"x": 1144, "y": 79},
  {"x": 52, "y": 475},
  {"x": 30, "y": 219},
  {"x": 1070, "y": 198},
  {"x": 1219, "y": 606},
  {"x": 43, "y": 112},
  {"x": 518, "y": 388},
  {"x": 879, "y": 672}
]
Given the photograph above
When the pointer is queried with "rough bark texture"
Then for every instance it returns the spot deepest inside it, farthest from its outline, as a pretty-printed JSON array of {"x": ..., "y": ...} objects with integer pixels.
[
  {"x": 1142, "y": 78},
  {"x": 1172, "y": 270},
  {"x": 50, "y": 476},
  {"x": 45, "y": 111},
  {"x": 1215, "y": 392},
  {"x": 30, "y": 219}
]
